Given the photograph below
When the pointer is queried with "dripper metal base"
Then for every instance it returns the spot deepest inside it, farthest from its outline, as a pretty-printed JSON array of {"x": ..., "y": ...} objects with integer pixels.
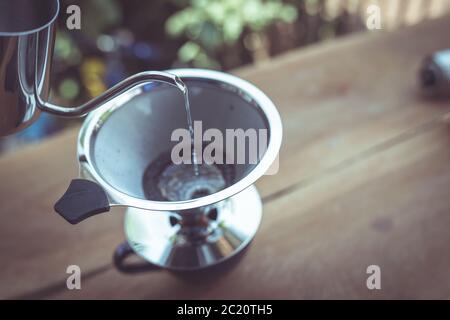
[{"x": 180, "y": 242}]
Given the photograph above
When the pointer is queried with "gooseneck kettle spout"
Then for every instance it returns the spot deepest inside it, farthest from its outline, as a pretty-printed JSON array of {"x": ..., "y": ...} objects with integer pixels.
[
  {"x": 27, "y": 37},
  {"x": 117, "y": 90}
]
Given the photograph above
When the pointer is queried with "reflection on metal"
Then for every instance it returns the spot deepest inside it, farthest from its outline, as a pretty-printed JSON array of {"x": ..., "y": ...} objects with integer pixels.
[
  {"x": 154, "y": 238},
  {"x": 435, "y": 74}
]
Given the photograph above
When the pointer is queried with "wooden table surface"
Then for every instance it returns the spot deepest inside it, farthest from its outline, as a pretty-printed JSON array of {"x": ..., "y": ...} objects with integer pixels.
[{"x": 364, "y": 180}]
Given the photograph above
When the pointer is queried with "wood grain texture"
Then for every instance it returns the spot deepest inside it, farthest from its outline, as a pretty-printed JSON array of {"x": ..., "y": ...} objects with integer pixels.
[
  {"x": 316, "y": 243},
  {"x": 363, "y": 181},
  {"x": 342, "y": 98}
]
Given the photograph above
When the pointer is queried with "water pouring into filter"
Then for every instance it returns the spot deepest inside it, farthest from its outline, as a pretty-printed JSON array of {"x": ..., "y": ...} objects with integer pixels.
[
  {"x": 184, "y": 89},
  {"x": 166, "y": 180}
]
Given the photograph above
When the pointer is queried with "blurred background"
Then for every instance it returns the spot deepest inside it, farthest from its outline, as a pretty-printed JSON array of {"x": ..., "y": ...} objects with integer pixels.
[{"x": 121, "y": 37}]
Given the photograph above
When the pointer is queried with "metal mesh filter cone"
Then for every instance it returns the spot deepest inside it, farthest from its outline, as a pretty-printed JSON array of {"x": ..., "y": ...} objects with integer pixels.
[{"x": 132, "y": 142}]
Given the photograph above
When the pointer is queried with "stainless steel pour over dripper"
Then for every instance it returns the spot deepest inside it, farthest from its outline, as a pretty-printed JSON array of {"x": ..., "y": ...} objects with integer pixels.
[
  {"x": 27, "y": 37},
  {"x": 122, "y": 138}
]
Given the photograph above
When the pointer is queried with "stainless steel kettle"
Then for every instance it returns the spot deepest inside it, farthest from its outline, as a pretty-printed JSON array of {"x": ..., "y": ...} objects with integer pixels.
[{"x": 27, "y": 37}]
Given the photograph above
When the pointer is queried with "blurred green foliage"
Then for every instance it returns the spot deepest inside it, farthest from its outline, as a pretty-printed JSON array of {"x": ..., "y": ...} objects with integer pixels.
[
  {"x": 121, "y": 37},
  {"x": 211, "y": 25}
]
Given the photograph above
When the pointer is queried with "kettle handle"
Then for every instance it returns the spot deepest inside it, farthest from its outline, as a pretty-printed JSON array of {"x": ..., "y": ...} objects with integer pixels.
[{"x": 82, "y": 200}]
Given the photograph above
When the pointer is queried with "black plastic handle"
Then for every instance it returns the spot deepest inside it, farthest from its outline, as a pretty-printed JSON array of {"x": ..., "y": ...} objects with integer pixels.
[{"x": 81, "y": 201}]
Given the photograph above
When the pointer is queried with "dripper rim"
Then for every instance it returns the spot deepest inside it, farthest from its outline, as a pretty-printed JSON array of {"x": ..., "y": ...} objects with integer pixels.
[{"x": 119, "y": 198}]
